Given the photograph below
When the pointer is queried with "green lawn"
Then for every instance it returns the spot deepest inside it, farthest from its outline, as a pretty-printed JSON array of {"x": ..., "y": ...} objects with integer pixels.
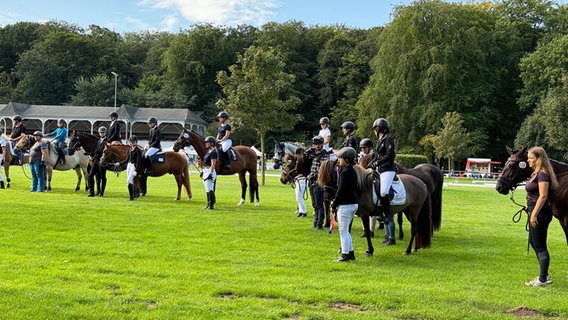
[{"x": 67, "y": 256}]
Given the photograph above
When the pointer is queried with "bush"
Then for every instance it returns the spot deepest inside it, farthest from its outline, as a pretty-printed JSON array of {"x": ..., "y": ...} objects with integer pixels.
[{"x": 411, "y": 160}]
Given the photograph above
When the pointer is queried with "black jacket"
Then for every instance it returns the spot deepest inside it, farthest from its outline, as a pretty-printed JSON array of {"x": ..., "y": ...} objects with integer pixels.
[
  {"x": 347, "y": 191},
  {"x": 155, "y": 139},
  {"x": 384, "y": 155},
  {"x": 351, "y": 141},
  {"x": 114, "y": 132}
]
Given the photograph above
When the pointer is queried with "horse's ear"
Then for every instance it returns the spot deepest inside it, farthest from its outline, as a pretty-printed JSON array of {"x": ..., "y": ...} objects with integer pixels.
[
  {"x": 524, "y": 150},
  {"x": 509, "y": 150}
]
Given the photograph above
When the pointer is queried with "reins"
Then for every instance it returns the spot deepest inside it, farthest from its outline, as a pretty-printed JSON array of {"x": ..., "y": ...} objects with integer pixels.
[{"x": 519, "y": 215}]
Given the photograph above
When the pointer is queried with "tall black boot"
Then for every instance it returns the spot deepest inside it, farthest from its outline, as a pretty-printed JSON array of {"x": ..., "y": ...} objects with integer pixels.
[
  {"x": 208, "y": 201},
  {"x": 143, "y": 185},
  {"x": 226, "y": 160},
  {"x": 385, "y": 208},
  {"x": 60, "y": 155},
  {"x": 131, "y": 192},
  {"x": 148, "y": 164},
  {"x": 213, "y": 199},
  {"x": 103, "y": 187}
]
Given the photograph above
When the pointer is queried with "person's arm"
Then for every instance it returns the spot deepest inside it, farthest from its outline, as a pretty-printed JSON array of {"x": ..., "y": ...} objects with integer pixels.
[
  {"x": 227, "y": 134},
  {"x": 542, "y": 198}
]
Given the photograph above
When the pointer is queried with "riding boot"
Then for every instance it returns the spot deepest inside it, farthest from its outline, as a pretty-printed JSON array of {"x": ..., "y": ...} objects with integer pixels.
[
  {"x": 131, "y": 192},
  {"x": 2, "y": 185},
  {"x": 149, "y": 169},
  {"x": 213, "y": 199},
  {"x": 226, "y": 160},
  {"x": 98, "y": 188},
  {"x": 61, "y": 156},
  {"x": 102, "y": 189},
  {"x": 385, "y": 205},
  {"x": 208, "y": 201}
]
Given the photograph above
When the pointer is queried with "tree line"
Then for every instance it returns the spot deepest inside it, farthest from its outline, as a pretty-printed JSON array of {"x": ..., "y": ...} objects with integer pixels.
[{"x": 454, "y": 80}]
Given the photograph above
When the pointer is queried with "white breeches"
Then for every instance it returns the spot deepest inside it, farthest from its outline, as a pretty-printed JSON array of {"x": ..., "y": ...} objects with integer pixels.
[
  {"x": 130, "y": 173},
  {"x": 386, "y": 182},
  {"x": 209, "y": 184},
  {"x": 345, "y": 213},
  {"x": 151, "y": 151},
  {"x": 300, "y": 187},
  {"x": 225, "y": 145}
]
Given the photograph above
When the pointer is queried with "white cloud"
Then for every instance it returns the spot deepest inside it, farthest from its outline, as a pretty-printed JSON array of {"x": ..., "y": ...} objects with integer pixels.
[{"x": 220, "y": 12}]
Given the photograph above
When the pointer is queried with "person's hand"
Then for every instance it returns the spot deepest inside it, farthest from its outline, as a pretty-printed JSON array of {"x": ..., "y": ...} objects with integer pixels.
[{"x": 534, "y": 221}]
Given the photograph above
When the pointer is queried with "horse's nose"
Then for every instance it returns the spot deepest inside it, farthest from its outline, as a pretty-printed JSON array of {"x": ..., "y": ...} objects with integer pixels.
[{"x": 501, "y": 189}]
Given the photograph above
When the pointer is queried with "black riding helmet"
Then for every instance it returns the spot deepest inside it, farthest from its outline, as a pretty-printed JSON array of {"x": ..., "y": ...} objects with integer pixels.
[
  {"x": 113, "y": 115},
  {"x": 17, "y": 118},
  {"x": 349, "y": 125},
  {"x": 382, "y": 124},
  {"x": 211, "y": 139},
  {"x": 317, "y": 140},
  {"x": 324, "y": 120},
  {"x": 366, "y": 142},
  {"x": 153, "y": 120},
  {"x": 223, "y": 114},
  {"x": 347, "y": 153},
  {"x": 38, "y": 133}
]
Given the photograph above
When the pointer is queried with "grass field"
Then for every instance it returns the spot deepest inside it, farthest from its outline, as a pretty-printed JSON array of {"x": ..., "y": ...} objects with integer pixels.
[{"x": 66, "y": 256}]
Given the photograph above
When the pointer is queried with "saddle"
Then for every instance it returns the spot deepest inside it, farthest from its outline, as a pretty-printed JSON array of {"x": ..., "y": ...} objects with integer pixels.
[
  {"x": 158, "y": 157},
  {"x": 231, "y": 152},
  {"x": 397, "y": 192}
]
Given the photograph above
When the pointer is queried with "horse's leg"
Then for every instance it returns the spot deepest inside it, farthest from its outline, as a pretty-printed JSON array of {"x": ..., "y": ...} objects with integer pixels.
[
  {"x": 179, "y": 181},
  {"x": 367, "y": 229},
  {"x": 254, "y": 188},
  {"x": 242, "y": 178},
  {"x": 327, "y": 211},
  {"x": 143, "y": 185},
  {"x": 48, "y": 175},
  {"x": 412, "y": 235},
  {"x": 400, "y": 220},
  {"x": 79, "y": 177},
  {"x": 186, "y": 182},
  {"x": 7, "y": 172}
]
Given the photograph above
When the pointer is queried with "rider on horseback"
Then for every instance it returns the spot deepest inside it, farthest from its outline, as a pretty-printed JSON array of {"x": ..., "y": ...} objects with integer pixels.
[
  {"x": 59, "y": 140},
  {"x": 224, "y": 138},
  {"x": 384, "y": 165},
  {"x": 154, "y": 144},
  {"x": 2, "y": 147},
  {"x": 18, "y": 129},
  {"x": 114, "y": 128}
]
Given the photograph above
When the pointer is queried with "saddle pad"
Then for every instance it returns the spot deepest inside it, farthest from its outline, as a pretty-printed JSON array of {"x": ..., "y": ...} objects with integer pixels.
[
  {"x": 159, "y": 157},
  {"x": 397, "y": 193},
  {"x": 232, "y": 154}
]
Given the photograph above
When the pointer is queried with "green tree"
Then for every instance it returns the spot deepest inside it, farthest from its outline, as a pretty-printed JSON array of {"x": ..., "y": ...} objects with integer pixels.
[
  {"x": 95, "y": 91},
  {"x": 259, "y": 93},
  {"x": 453, "y": 142}
]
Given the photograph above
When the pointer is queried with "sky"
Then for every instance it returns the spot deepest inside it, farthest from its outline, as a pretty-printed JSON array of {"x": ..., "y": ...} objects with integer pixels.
[{"x": 173, "y": 15}]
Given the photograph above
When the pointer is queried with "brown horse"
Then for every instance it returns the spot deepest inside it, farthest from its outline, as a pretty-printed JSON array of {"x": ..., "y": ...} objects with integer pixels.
[
  {"x": 416, "y": 208},
  {"x": 245, "y": 162},
  {"x": 10, "y": 160},
  {"x": 513, "y": 174},
  {"x": 78, "y": 161},
  {"x": 174, "y": 163}
]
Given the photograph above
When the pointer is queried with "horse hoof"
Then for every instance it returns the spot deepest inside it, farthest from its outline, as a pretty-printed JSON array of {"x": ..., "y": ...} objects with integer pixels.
[
  {"x": 241, "y": 202},
  {"x": 77, "y": 189},
  {"x": 406, "y": 253}
]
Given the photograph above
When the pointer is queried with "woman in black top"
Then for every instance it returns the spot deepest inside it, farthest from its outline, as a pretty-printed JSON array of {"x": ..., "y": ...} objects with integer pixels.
[
  {"x": 346, "y": 201},
  {"x": 134, "y": 158},
  {"x": 542, "y": 182},
  {"x": 209, "y": 175},
  {"x": 384, "y": 164}
]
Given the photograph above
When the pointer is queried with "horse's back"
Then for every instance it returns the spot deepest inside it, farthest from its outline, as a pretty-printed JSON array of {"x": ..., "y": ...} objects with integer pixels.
[{"x": 416, "y": 190}]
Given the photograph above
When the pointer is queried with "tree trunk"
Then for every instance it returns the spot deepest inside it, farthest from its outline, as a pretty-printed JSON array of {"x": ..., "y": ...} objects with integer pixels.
[{"x": 262, "y": 164}]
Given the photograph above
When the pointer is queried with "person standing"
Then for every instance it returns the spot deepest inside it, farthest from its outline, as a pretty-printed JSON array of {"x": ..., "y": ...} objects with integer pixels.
[
  {"x": 351, "y": 140},
  {"x": 346, "y": 201},
  {"x": 317, "y": 154},
  {"x": 134, "y": 159},
  {"x": 384, "y": 165},
  {"x": 154, "y": 145},
  {"x": 224, "y": 137},
  {"x": 208, "y": 174},
  {"x": 38, "y": 155},
  {"x": 2, "y": 148},
  {"x": 18, "y": 129},
  {"x": 95, "y": 170},
  {"x": 114, "y": 128},
  {"x": 541, "y": 183},
  {"x": 300, "y": 184},
  {"x": 59, "y": 140}
]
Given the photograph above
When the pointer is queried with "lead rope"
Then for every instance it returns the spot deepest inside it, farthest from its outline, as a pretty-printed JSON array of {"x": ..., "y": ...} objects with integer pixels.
[{"x": 519, "y": 215}]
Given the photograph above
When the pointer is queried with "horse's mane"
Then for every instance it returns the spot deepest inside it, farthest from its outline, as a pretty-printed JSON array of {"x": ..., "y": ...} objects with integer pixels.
[{"x": 326, "y": 174}]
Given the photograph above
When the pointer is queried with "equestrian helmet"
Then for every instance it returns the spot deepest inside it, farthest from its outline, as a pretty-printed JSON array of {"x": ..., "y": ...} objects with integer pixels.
[
  {"x": 17, "y": 118},
  {"x": 366, "y": 142},
  {"x": 113, "y": 115},
  {"x": 211, "y": 139},
  {"x": 223, "y": 114},
  {"x": 324, "y": 120},
  {"x": 153, "y": 120},
  {"x": 102, "y": 129},
  {"x": 317, "y": 140},
  {"x": 347, "y": 153},
  {"x": 381, "y": 123},
  {"x": 61, "y": 121},
  {"x": 38, "y": 133},
  {"x": 349, "y": 125},
  {"x": 133, "y": 138}
]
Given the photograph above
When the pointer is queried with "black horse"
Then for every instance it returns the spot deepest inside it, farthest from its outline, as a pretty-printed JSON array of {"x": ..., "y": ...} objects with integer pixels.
[{"x": 516, "y": 171}]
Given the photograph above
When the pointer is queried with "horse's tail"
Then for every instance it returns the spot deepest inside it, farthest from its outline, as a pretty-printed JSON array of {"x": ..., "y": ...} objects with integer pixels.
[
  {"x": 424, "y": 236},
  {"x": 186, "y": 183},
  {"x": 437, "y": 208}
]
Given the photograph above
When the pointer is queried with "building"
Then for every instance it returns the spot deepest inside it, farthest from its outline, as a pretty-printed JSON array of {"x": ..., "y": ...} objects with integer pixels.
[{"x": 88, "y": 119}]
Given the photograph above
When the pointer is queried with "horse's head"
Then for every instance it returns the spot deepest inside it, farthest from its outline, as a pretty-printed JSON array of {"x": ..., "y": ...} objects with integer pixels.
[
  {"x": 107, "y": 156},
  {"x": 279, "y": 153},
  {"x": 515, "y": 171},
  {"x": 24, "y": 143},
  {"x": 366, "y": 159},
  {"x": 290, "y": 170},
  {"x": 183, "y": 140},
  {"x": 74, "y": 142}
]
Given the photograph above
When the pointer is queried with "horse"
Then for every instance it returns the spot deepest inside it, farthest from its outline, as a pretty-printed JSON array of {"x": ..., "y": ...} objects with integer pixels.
[
  {"x": 77, "y": 161},
  {"x": 416, "y": 208},
  {"x": 245, "y": 162},
  {"x": 174, "y": 163},
  {"x": 516, "y": 170},
  {"x": 432, "y": 176},
  {"x": 10, "y": 160},
  {"x": 281, "y": 149}
]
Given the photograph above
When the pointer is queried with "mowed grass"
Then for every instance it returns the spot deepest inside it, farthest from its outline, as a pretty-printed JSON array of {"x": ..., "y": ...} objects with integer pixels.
[{"x": 66, "y": 256}]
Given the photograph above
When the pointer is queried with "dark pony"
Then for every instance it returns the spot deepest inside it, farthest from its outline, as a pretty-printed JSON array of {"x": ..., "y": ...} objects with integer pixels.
[
  {"x": 174, "y": 163},
  {"x": 246, "y": 162},
  {"x": 417, "y": 207},
  {"x": 513, "y": 174}
]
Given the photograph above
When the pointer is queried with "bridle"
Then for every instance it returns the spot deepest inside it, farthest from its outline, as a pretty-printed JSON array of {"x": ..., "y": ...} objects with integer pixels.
[
  {"x": 183, "y": 140},
  {"x": 513, "y": 180}
]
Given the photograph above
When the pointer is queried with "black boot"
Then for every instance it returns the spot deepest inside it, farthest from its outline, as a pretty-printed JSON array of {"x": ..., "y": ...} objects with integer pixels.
[
  {"x": 136, "y": 192},
  {"x": 148, "y": 165},
  {"x": 208, "y": 201},
  {"x": 131, "y": 192},
  {"x": 213, "y": 199},
  {"x": 385, "y": 205},
  {"x": 103, "y": 187},
  {"x": 342, "y": 258},
  {"x": 351, "y": 255},
  {"x": 60, "y": 155},
  {"x": 226, "y": 160},
  {"x": 2, "y": 185}
]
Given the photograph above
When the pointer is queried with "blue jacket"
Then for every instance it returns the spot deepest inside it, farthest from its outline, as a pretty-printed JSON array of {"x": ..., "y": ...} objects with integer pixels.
[{"x": 60, "y": 135}]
